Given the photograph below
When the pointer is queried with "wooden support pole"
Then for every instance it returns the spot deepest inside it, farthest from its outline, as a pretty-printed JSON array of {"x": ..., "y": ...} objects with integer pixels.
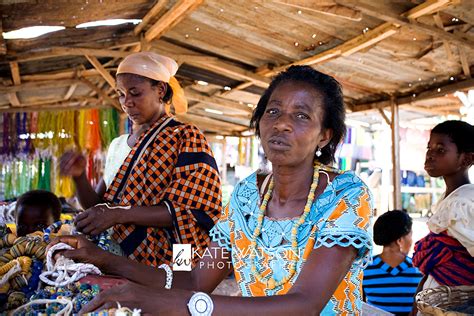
[
  {"x": 397, "y": 197},
  {"x": 104, "y": 73}
]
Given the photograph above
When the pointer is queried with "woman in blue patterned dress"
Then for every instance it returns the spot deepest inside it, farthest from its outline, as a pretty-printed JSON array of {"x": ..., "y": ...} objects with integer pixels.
[{"x": 297, "y": 239}]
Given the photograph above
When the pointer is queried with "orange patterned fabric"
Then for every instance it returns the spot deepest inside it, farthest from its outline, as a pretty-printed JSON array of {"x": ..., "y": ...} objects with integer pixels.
[
  {"x": 339, "y": 216},
  {"x": 172, "y": 165}
]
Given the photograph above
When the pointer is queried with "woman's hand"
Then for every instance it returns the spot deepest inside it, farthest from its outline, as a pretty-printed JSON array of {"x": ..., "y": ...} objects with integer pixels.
[
  {"x": 97, "y": 219},
  {"x": 150, "y": 301},
  {"x": 72, "y": 164},
  {"x": 84, "y": 250}
]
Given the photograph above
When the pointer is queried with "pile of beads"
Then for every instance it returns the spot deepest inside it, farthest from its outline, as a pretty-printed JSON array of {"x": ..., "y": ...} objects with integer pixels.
[
  {"x": 78, "y": 293},
  {"x": 31, "y": 246},
  {"x": 20, "y": 264}
]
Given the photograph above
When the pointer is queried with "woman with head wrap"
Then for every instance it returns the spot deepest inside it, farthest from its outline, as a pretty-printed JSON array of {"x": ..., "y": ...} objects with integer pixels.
[
  {"x": 161, "y": 180},
  {"x": 390, "y": 282}
]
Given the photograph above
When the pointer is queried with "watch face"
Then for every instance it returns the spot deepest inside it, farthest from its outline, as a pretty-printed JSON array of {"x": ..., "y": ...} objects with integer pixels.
[{"x": 201, "y": 304}]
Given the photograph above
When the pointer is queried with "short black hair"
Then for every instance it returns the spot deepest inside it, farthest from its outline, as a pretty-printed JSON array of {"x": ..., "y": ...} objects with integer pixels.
[
  {"x": 40, "y": 198},
  {"x": 460, "y": 132},
  {"x": 333, "y": 102},
  {"x": 169, "y": 92},
  {"x": 390, "y": 226}
]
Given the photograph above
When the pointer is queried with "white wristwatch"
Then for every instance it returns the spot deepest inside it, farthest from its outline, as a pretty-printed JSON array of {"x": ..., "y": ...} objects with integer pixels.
[{"x": 200, "y": 304}]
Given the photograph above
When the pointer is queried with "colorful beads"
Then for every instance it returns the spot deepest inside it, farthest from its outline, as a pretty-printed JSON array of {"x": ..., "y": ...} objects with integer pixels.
[
  {"x": 102, "y": 240},
  {"x": 270, "y": 282},
  {"x": 53, "y": 228}
]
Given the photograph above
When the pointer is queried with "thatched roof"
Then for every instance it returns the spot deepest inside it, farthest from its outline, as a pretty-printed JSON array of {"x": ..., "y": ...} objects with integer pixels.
[{"x": 412, "y": 52}]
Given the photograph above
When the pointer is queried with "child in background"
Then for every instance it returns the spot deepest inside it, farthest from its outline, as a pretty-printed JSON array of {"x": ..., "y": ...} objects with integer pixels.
[
  {"x": 35, "y": 211},
  {"x": 445, "y": 255}
]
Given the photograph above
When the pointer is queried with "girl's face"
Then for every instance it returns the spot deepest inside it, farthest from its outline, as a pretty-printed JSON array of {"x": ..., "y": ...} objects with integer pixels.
[{"x": 442, "y": 156}]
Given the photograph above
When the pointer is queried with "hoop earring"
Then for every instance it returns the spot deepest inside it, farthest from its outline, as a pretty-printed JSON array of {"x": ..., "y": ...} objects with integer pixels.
[{"x": 318, "y": 152}]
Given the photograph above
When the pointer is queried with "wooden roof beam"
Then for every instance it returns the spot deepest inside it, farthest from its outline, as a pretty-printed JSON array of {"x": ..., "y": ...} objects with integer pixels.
[
  {"x": 12, "y": 96},
  {"x": 231, "y": 71},
  {"x": 62, "y": 105},
  {"x": 3, "y": 45},
  {"x": 172, "y": 17},
  {"x": 329, "y": 8},
  {"x": 102, "y": 94},
  {"x": 15, "y": 70},
  {"x": 98, "y": 66},
  {"x": 38, "y": 85},
  {"x": 408, "y": 19},
  {"x": 68, "y": 74},
  {"x": 381, "y": 32},
  {"x": 70, "y": 91},
  {"x": 430, "y": 93},
  {"x": 193, "y": 95},
  {"x": 154, "y": 11}
]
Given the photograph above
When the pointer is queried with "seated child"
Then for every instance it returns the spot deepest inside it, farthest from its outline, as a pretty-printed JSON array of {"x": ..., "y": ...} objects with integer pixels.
[{"x": 35, "y": 211}]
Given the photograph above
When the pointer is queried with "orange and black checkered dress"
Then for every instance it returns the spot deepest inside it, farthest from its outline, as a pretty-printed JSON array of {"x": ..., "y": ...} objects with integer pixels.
[{"x": 172, "y": 165}]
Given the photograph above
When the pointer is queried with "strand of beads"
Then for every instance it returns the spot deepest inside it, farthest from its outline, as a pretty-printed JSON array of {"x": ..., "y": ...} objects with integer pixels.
[
  {"x": 53, "y": 228},
  {"x": 269, "y": 280},
  {"x": 102, "y": 240}
]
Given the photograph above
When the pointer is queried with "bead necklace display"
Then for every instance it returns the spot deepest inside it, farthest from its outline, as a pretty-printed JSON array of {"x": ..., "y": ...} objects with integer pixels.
[{"x": 269, "y": 280}]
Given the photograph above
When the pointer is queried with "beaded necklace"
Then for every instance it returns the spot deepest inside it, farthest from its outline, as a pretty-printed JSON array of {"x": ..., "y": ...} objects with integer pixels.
[
  {"x": 269, "y": 280},
  {"x": 102, "y": 240}
]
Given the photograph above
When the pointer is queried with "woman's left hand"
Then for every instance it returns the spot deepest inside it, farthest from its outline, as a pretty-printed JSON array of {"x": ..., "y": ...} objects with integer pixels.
[
  {"x": 150, "y": 301},
  {"x": 97, "y": 219}
]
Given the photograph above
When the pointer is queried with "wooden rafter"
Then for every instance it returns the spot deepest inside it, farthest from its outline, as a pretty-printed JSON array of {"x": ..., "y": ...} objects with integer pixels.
[
  {"x": 61, "y": 75},
  {"x": 62, "y": 105},
  {"x": 70, "y": 91},
  {"x": 216, "y": 101},
  {"x": 231, "y": 71},
  {"x": 464, "y": 62},
  {"x": 3, "y": 46},
  {"x": 447, "y": 48},
  {"x": 381, "y": 32},
  {"x": 104, "y": 73},
  {"x": 15, "y": 70},
  {"x": 172, "y": 17},
  {"x": 154, "y": 11},
  {"x": 408, "y": 19},
  {"x": 37, "y": 85},
  {"x": 13, "y": 99},
  {"x": 330, "y": 8},
  {"x": 102, "y": 94},
  {"x": 430, "y": 93},
  {"x": 12, "y": 96}
]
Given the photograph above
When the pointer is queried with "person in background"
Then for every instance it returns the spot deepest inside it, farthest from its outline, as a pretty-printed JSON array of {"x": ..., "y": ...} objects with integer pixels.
[
  {"x": 161, "y": 184},
  {"x": 446, "y": 255},
  {"x": 35, "y": 211},
  {"x": 391, "y": 280}
]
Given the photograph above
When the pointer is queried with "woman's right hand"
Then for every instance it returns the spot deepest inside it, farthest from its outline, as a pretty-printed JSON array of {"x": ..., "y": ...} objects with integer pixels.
[
  {"x": 72, "y": 164},
  {"x": 84, "y": 251}
]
